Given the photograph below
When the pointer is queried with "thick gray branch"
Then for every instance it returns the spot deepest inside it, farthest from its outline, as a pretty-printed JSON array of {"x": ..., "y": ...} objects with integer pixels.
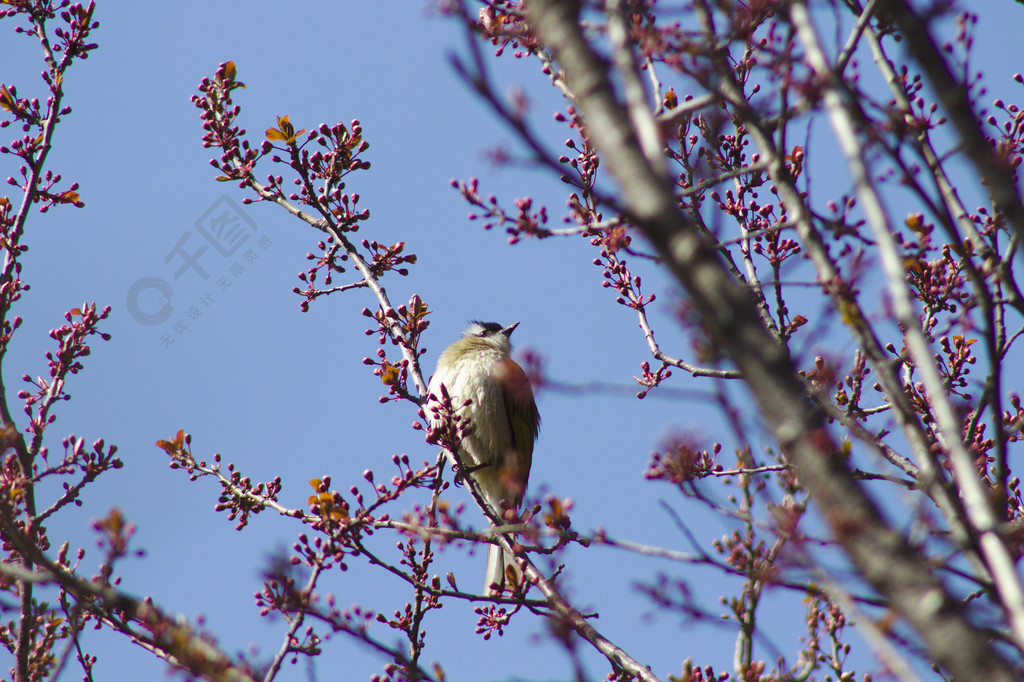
[{"x": 883, "y": 556}]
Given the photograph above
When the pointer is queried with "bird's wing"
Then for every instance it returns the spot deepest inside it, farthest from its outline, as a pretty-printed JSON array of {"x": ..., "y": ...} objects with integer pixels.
[{"x": 521, "y": 409}]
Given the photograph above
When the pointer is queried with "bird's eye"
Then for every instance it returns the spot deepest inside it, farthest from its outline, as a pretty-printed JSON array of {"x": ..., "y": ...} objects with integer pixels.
[{"x": 482, "y": 333}]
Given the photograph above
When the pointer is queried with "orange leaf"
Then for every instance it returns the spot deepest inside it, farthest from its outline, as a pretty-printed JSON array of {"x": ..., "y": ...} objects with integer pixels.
[
  {"x": 285, "y": 125},
  {"x": 6, "y": 101},
  {"x": 285, "y": 131},
  {"x": 914, "y": 266},
  {"x": 276, "y": 135},
  {"x": 171, "y": 447},
  {"x": 167, "y": 446},
  {"x": 671, "y": 100},
  {"x": 389, "y": 373}
]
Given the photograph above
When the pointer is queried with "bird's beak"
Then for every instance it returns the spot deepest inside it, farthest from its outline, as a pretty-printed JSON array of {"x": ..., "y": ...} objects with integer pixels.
[{"x": 507, "y": 331}]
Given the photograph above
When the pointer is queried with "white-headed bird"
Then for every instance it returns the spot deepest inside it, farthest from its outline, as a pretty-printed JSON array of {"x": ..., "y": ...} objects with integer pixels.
[{"x": 498, "y": 447}]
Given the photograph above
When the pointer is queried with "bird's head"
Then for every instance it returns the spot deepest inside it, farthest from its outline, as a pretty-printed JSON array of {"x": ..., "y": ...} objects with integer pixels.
[{"x": 491, "y": 334}]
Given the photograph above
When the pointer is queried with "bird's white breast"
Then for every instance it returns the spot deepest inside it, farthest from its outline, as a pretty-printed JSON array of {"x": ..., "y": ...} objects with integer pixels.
[{"x": 474, "y": 377}]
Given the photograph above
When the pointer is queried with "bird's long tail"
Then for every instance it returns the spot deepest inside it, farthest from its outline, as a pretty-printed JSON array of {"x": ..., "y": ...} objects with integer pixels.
[{"x": 497, "y": 560}]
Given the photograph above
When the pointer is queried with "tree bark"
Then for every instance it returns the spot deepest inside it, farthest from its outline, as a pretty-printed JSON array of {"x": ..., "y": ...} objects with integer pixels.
[{"x": 884, "y": 557}]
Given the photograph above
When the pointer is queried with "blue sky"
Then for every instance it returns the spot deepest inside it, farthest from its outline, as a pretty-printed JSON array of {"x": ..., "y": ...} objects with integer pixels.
[{"x": 277, "y": 391}]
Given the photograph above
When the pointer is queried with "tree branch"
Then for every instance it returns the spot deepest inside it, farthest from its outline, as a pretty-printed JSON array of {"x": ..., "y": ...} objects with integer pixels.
[{"x": 883, "y": 555}]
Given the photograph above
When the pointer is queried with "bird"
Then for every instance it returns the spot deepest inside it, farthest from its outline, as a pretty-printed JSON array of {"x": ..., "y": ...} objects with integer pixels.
[{"x": 497, "y": 449}]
